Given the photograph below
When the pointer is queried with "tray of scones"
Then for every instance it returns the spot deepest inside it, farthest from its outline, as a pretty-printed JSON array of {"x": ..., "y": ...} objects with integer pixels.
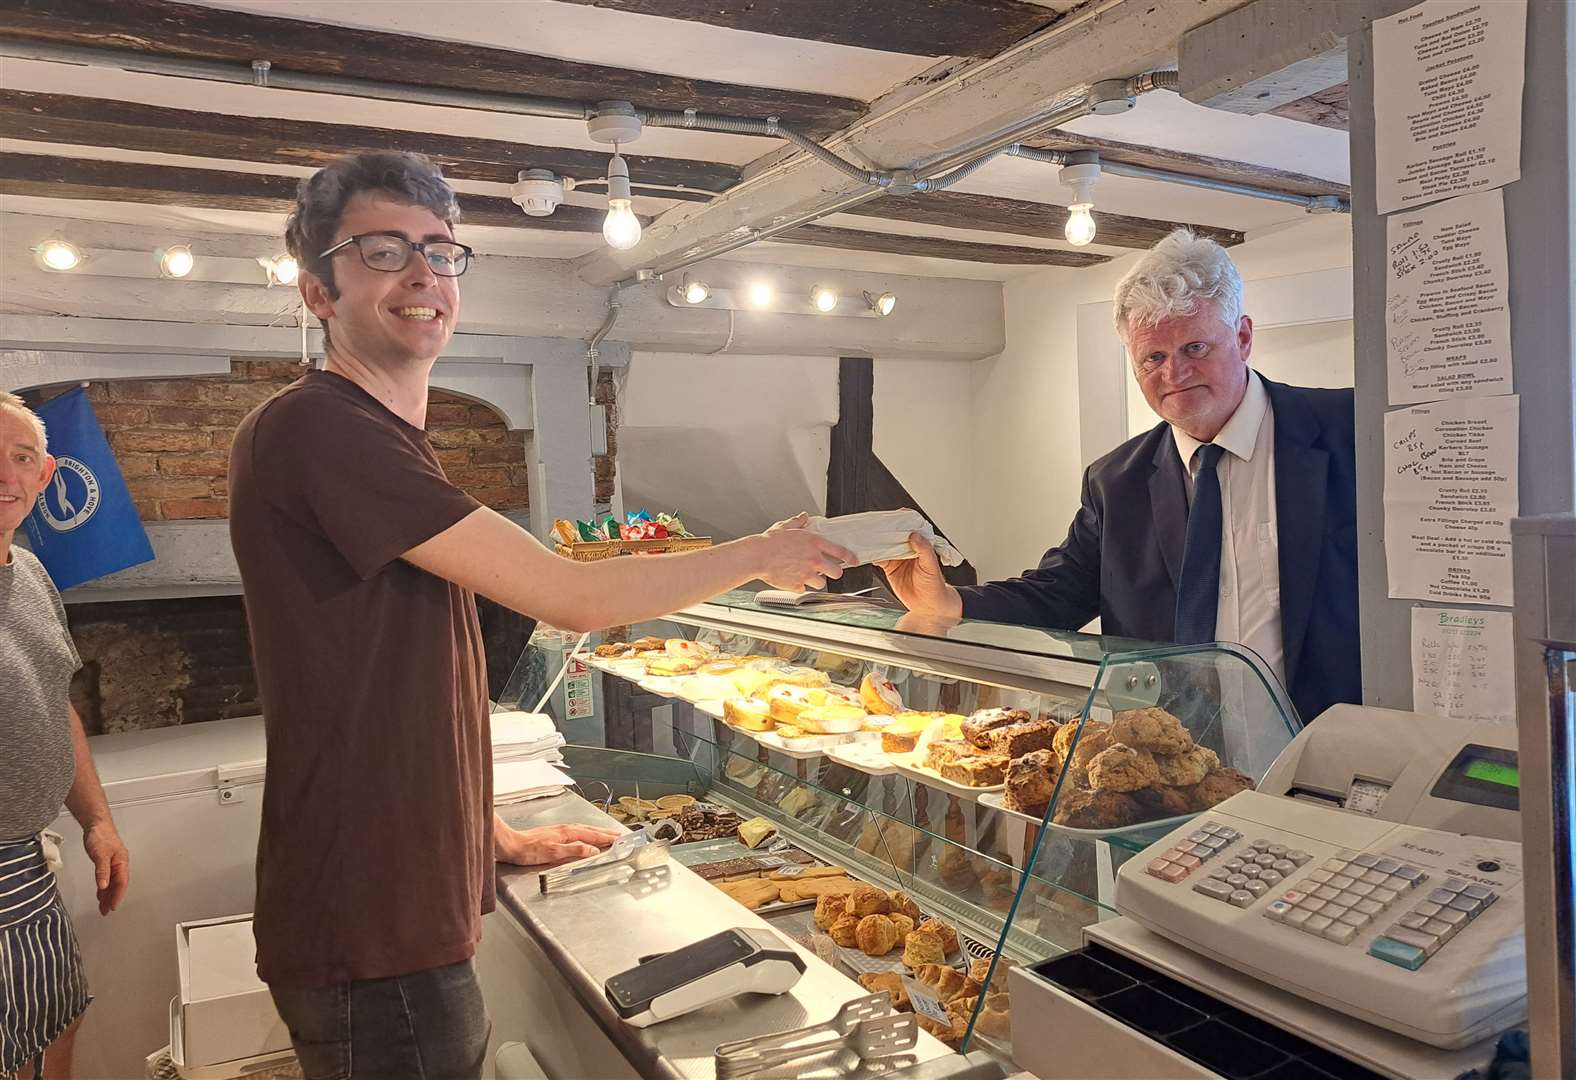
[{"x": 1139, "y": 769}]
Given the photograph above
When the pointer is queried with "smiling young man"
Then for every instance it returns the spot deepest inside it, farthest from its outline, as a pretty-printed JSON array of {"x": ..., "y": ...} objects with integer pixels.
[
  {"x": 44, "y": 764},
  {"x": 1232, "y": 520},
  {"x": 360, "y": 560}
]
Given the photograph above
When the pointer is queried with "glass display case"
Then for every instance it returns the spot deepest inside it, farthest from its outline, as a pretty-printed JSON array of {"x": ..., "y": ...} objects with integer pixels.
[{"x": 987, "y": 777}]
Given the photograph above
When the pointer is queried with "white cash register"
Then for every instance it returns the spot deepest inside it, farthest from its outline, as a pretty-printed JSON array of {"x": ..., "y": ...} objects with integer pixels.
[{"x": 1376, "y": 871}]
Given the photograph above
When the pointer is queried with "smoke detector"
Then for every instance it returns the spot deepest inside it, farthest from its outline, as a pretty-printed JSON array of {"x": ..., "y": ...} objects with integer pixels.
[{"x": 538, "y": 192}]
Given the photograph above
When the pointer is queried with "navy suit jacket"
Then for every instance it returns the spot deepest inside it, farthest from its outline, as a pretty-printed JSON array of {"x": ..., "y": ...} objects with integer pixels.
[{"x": 1123, "y": 555}]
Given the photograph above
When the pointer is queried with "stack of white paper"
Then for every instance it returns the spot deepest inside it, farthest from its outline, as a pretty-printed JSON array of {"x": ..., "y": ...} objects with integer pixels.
[
  {"x": 523, "y": 736},
  {"x": 517, "y": 781}
]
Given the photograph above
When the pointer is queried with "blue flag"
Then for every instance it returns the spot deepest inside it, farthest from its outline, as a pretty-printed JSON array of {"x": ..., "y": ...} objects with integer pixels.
[{"x": 84, "y": 525}]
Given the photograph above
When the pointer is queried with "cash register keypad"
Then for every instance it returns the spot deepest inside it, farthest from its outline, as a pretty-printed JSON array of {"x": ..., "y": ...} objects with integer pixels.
[
  {"x": 1344, "y": 895},
  {"x": 1201, "y": 845},
  {"x": 1241, "y": 878},
  {"x": 1432, "y": 922}
]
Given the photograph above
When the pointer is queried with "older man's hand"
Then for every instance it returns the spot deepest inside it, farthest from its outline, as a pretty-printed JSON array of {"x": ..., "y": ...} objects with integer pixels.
[
  {"x": 111, "y": 864},
  {"x": 919, "y": 584}
]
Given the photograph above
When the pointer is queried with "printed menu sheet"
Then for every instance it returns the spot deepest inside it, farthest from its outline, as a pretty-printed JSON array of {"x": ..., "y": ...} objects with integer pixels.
[
  {"x": 1450, "y": 492},
  {"x": 1447, "y": 307},
  {"x": 1448, "y": 79},
  {"x": 1463, "y": 663}
]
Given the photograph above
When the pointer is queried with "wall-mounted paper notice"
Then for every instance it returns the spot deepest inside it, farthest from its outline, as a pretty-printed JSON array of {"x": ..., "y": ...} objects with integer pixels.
[
  {"x": 1447, "y": 99},
  {"x": 1449, "y": 494},
  {"x": 1462, "y": 663},
  {"x": 1447, "y": 306}
]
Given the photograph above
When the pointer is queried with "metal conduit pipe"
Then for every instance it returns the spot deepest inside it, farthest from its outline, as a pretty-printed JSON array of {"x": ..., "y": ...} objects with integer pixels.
[
  {"x": 1030, "y": 153},
  {"x": 939, "y": 183},
  {"x": 216, "y": 71},
  {"x": 1311, "y": 203},
  {"x": 738, "y": 125},
  {"x": 593, "y": 353}
]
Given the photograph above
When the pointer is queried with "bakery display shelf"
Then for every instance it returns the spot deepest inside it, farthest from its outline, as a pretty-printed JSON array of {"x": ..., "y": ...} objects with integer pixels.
[
  {"x": 865, "y": 756},
  {"x": 662, "y": 685},
  {"x": 708, "y": 851},
  {"x": 906, "y": 766},
  {"x": 996, "y": 800}
]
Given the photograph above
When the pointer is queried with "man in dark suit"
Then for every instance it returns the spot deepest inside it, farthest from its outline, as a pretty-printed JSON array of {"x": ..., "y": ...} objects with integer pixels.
[{"x": 1233, "y": 520}]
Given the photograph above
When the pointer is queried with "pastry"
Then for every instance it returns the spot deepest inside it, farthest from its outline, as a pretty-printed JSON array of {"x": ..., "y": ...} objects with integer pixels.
[
  {"x": 750, "y": 714},
  {"x": 672, "y": 665},
  {"x": 986, "y": 720},
  {"x": 998, "y": 886},
  {"x": 784, "y": 702},
  {"x": 981, "y": 770},
  {"x": 789, "y": 732},
  {"x": 1187, "y": 768},
  {"x": 879, "y": 695},
  {"x": 876, "y": 935},
  {"x": 693, "y": 650},
  {"x": 845, "y": 930},
  {"x": 706, "y": 688},
  {"x": 1218, "y": 786},
  {"x": 753, "y": 833},
  {"x": 749, "y": 682},
  {"x": 751, "y": 892},
  {"x": 876, "y": 722},
  {"x": 1080, "y": 808},
  {"x": 952, "y": 1034},
  {"x": 638, "y": 808},
  {"x": 1159, "y": 802},
  {"x": 828, "y": 909},
  {"x": 948, "y": 936},
  {"x": 675, "y": 802},
  {"x": 832, "y": 719},
  {"x": 1122, "y": 768},
  {"x": 992, "y": 1019},
  {"x": 903, "y": 733},
  {"x": 793, "y": 890},
  {"x": 869, "y": 900},
  {"x": 807, "y": 873},
  {"x": 798, "y": 801},
  {"x": 943, "y": 981},
  {"x": 646, "y": 644},
  {"x": 954, "y": 869},
  {"x": 802, "y": 676},
  {"x": 904, "y": 924},
  {"x": 922, "y": 947},
  {"x": 889, "y": 983},
  {"x": 945, "y": 751},
  {"x": 1031, "y": 780},
  {"x": 1151, "y": 729},
  {"x": 1015, "y": 740},
  {"x": 981, "y": 967},
  {"x": 725, "y": 666},
  {"x": 903, "y": 904},
  {"x": 610, "y": 649}
]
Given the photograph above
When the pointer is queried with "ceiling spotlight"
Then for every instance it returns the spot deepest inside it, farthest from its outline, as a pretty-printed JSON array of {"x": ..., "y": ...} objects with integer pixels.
[
  {"x": 57, "y": 254},
  {"x": 621, "y": 228},
  {"x": 176, "y": 261},
  {"x": 282, "y": 270},
  {"x": 761, "y": 295},
  {"x": 1080, "y": 176},
  {"x": 823, "y": 298},
  {"x": 695, "y": 292},
  {"x": 882, "y": 305},
  {"x": 539, "y": 192}
]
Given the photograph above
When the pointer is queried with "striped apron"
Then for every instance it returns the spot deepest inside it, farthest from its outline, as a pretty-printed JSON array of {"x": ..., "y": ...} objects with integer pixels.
[{"x": 42, "y": 988}]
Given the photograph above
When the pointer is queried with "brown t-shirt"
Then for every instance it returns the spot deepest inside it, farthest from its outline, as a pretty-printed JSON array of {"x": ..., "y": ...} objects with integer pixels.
[{"x": 375, "y": 857}]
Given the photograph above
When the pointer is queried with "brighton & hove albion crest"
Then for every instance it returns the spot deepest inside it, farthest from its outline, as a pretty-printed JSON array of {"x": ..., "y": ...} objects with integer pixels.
[{"x": 71, "y": 498}]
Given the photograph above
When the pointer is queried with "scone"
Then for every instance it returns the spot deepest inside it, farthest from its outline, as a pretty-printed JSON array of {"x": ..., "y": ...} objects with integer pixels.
[
  {"x": 828, "y": 909},
  {"x": 983, "y": 721},
  {"x": 1187, "y": 768},
  {"x": 1151, "y": 729},
  {"x": 876, "y": 935},
  {"x": 1159, "y": 802},
  {"x": 845, "y": 931},
  {"x": 879, "y": 695},
  {"x": 1096, "y": 738},
  {"x": 1031, "y": 780},
  {"x": 868, "y": 900},
  {"x": 903, "y": 904},
  {"x": 751, "y": 714},
  {"x": 904, "y": 924},
  {"x": 1218, "y": 786},
  {"x": 948, "y": 936},
  {"x": 922, "y": 947},
  {"x": 1080, "y": 808},
  {"x": 1122, "y": 768}
]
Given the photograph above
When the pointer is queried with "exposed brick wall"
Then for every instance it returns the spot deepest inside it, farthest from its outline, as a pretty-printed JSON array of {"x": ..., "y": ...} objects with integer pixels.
[{"x": 164, "y": 662}]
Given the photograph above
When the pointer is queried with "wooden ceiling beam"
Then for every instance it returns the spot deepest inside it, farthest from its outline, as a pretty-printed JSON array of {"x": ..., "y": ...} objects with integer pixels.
[
  {"x": 1237, "y": 172},
  {"x": 962, "y": 210},
  {"x": 916, "y": 27},
  {"x": 1328, "y": 108},
  {"x": 160, "y": 27},
  {"x": 130, "y": 125},
  {"x": 935, "y": 247}
]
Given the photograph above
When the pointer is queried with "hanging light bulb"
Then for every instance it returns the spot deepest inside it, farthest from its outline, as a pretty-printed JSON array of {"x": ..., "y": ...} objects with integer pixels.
[
  {"x": 1080, "y": 175},
  {"x": 824, "y": 299},
  {"x": 1080, "y": 224},
  {"x": 882, "y": 305},
  {"x": 282, "y": 270},
  {"x": 762, "y": 294},
  {"x": 176, "y": 261},
  {"x": 621, "y": 229},
  {"x": 695, "y": 292},
  {"x": 56, "y": 254}
]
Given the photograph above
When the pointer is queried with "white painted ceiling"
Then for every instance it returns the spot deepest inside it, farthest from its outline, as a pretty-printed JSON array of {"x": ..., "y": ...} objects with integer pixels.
[{"x": 595, "y": 35}]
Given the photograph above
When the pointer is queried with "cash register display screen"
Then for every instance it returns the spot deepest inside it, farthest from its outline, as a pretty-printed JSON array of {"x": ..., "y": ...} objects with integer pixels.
[
  {"x": 1494, "y": 772},
  {"x": 681, "y": 966}
]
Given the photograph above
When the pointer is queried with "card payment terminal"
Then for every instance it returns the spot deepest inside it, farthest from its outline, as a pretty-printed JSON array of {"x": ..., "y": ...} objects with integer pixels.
[{"x": 717, "y": 968}]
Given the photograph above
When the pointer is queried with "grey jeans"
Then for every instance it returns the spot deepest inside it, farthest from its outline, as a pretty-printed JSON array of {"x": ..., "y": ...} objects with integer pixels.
[{"x": 429, "y": 1025}]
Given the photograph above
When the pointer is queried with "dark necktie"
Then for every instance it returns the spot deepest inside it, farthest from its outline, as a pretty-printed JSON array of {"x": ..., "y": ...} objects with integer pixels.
[{"x": 1198, "y": 593}]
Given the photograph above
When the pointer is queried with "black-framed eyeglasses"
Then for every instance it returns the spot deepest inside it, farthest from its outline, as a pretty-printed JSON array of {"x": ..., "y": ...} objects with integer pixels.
[{"x": 391, "y": 254}]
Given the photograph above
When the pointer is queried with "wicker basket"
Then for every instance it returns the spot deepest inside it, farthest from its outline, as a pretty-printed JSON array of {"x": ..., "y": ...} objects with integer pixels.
[
  {"x": 596, "y": 551},
  {"x": 591, "y": 551}
]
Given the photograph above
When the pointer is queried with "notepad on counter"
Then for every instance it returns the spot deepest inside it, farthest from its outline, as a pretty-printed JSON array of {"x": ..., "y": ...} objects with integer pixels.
[
  {"x": 517, "y": 781},
  {"x": 820, "y": 601}
]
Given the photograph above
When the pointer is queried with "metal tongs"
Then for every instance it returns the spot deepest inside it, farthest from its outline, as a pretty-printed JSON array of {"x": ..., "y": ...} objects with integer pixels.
[
  {"x": 861, "y": 1026},
  {"x": 627, "y": 856}
]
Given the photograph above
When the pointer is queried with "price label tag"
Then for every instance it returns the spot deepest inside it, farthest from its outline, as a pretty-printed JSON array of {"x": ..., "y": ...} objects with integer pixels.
[
  {"x": 791, "y": 871},
  {"x": 925, "y": 1003},
  {"x": 711, "y": 808},
  {"x": 772, "y": 862}
]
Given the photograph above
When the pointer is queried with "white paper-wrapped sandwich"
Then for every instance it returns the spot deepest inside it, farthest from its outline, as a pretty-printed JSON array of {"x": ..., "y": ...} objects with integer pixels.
[{"x": 882, "y": 535}]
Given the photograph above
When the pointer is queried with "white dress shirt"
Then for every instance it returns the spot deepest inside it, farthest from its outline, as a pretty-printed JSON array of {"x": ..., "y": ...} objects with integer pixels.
[{"x": 1249, "y": 611}]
